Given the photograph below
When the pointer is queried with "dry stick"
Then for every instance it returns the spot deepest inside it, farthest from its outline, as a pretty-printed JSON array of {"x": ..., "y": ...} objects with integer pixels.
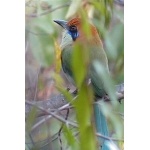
[
  {"x": 67, "y": 106},
  {"x": 69, "y": 122},
  {"x": 35, "y": 93},
  {"x": 54, "y": 115},
  {"x": 55, "y": 138},
  {"x": 59, "y": 132},
  {"x": 48, "y": 11},
  {"x": 32, "y": 141},
  {"x": 109, "y": 138},
  {"x": 40, "y": 122},
  {"x": 59, "y": 100}
]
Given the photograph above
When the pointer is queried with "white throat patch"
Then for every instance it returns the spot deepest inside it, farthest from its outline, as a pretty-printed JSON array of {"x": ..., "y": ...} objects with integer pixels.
[{"x": 66, "y": 40}]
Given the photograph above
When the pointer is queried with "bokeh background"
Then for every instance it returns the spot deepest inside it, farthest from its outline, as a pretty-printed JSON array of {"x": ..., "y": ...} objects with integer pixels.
[{"x": 42, "y": 64}]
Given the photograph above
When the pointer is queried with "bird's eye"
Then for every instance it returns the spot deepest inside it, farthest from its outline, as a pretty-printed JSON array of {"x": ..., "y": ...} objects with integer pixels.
[
  {"x": 73, "y": 32},
  {"x": 73, "y": 28}
]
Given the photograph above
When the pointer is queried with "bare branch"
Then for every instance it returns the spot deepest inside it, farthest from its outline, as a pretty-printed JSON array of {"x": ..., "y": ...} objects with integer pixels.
[
  {"x": 54, "y": 102},
  {"x": 108, "y": 138},
  {"x": 60, "y": 103},
  {"x": 35, "y": 93},
  {"x": 48, "y": 11},
  {"x": 49, "y": 116},
  {"x": 41, "y": 122},
  {"x": 60, "y": 130},
  {"x": 67, "y": 122}
]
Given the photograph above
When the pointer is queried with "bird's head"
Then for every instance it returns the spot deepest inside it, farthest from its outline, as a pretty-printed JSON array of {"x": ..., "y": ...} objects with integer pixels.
[{"x": 74, "y": 33}]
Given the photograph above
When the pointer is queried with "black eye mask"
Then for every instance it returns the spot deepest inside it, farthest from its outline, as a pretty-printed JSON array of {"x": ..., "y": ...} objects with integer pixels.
[{"x": 73, "y": 32}]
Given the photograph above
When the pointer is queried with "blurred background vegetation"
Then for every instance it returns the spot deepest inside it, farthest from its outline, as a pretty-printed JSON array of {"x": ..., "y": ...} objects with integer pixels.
[{"x": 43, "y": 75}]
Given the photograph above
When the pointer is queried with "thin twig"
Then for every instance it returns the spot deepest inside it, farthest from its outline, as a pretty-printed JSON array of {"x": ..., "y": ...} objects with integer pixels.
[
  {"x": 32, "y": 141},
  {"x": 108, "y": 138},
  {"x": 54, "y": 115},
  {"x": 64, "y": 107},
  {"x": 35, "y": 93},
  {"x": 53, "y": 138},
  {"x": 67, "y": 122},
  {"x": 53, "y": 103},
  {"x": 45, "y": 119},
  {"x": 41, "y": 122},
  {"x": 48, "y": 11},
  {"x": 60, "y": 130}
]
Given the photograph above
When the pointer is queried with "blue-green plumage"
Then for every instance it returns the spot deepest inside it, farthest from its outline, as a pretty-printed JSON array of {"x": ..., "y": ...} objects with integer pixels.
[{"x": 101, "y": 126}]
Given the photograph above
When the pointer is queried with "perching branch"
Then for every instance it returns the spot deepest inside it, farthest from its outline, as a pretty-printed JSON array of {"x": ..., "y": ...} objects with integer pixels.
[
  {"x": 59, "y": 102},
  {"x": 53, "y": 103}
]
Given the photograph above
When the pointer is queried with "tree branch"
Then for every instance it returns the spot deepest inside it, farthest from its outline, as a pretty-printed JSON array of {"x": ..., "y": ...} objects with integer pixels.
[
  {"x": 58, "y": 102},
  {"x": 48, "y": 11},
  {"x": 108, "y": 138},
  {"x": 53, "y": 103},
  {"x": 67, "y": 122}
]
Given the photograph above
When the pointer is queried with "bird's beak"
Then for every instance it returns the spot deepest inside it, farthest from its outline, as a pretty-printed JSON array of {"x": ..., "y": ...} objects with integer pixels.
[{"x": 62, "y": 23}]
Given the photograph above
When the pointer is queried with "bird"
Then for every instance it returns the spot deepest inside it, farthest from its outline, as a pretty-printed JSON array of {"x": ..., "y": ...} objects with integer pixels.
[{"x": 74, "y": 33}]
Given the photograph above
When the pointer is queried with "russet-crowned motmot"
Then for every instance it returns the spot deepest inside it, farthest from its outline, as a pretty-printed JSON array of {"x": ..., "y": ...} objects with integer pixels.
[{"x": 74, "y": 34}]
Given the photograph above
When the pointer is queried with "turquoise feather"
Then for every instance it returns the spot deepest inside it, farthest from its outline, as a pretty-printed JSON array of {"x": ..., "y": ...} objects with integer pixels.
[{"x": 101, "y": 126}]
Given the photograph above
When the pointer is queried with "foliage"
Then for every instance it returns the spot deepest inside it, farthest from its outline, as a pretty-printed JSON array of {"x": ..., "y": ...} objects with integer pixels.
[{"x": 44, "y": 77}]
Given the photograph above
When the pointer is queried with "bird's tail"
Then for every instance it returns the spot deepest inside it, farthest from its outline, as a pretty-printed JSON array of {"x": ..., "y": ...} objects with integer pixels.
[{"x": 101, "y": 126}]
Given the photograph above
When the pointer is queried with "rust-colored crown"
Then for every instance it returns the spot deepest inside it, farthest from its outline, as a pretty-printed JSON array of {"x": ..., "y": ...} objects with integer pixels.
[
  {"x": 74, "y": 21},
  {"x": 82, "y": 37}
]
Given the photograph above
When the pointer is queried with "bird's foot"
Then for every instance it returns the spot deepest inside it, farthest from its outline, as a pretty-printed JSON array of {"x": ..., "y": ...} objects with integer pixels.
[
  {"x": 68, "y": 89},
  {"x": 74, "y": 92},
  {"x": 106, "y": 98}
]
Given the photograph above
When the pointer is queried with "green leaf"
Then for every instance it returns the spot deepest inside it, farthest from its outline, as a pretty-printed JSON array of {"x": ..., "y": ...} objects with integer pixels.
[
  {"x": 83, "y": 106},
  {"x": 30, "y": 119},
  {"x": 108, "y": 83},
  {"x": 71, "y": 141},
  {"x": 73, "y": 8},
  {"x": 79, "y": 63}
]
